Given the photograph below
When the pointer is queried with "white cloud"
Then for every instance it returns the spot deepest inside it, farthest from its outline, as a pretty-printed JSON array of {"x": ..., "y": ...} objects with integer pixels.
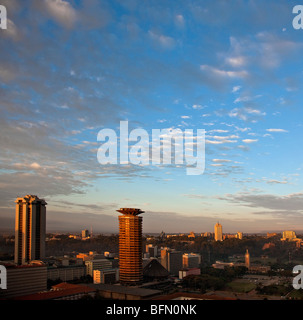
[
  {"x": 179, "y": 21},
  {"x": 164, "y": 41},
  {"x": 249, "y": 140},
  {"x": 223, "y": 73},
  {"x": 276, "y": 130},
  {"x": 246, "y": 114},
  {"x": 221, "y": 160},
  {"x": 238, "y": 61},
  {"x": 197, "y": 106},
  {"x": 62, "y": 11},
  {"x": 236, "y": 89}
]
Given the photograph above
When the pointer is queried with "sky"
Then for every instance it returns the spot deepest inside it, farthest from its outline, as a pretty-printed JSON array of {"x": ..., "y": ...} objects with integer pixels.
[{"x": 233, "y": 68}]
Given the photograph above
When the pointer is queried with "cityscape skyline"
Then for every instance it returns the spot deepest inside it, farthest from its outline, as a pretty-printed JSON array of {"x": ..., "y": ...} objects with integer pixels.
[
  {"x": 28, "y": 223},
  {"x": 232, "y": 69}
]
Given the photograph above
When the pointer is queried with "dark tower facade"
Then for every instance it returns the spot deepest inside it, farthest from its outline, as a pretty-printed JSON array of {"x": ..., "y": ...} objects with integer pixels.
[{"x": 130, "y": 246}]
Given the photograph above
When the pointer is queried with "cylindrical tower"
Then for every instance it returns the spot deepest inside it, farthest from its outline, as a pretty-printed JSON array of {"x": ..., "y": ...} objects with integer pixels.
[{"x": 130, "y": 246}]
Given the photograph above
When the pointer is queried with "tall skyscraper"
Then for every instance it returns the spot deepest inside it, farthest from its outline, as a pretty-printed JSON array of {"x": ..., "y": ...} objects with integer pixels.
[
  {"x": 30, "y": 228},
  {"x": 218, "y": 232},
  {"x": 130, "y": 246},
  {"x": 247, "y": 259}
]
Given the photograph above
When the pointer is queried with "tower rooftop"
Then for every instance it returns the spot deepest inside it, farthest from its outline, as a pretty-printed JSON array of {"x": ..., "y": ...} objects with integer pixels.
[{"x": 130, "y": 211}]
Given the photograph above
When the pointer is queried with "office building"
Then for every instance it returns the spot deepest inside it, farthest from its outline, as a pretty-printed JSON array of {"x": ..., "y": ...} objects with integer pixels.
[
  {"x": 247, "y": 259},
  {"x": 24, "y": 279},
  {"x": 164, "y": 257},
  {"x": 239, "y": 235},
  {"x": 151, "y": 250},
  {"x": 191, "y": 260},
  {"x": 289, "y": 235},
  {"x": 66, "y": 273},
  {"x": 130, "y": 246},
  {"x": 187, "y": 272},
  {"x": 97, "y": 264},
  {"x": 218, "y": 232},
  {"x": 106, "y": 276},
  {"x": 30, "y": 228},
  {"x": 84, "y": 234},
  {"x": 175, "y": 262}
]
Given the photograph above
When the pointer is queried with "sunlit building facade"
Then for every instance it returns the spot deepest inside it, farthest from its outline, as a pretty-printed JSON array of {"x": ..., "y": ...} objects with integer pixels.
[
  {"x": 130, "y": 246},
  {"x": 218, "y": 232},
  {"x": 30, "y": 229}
]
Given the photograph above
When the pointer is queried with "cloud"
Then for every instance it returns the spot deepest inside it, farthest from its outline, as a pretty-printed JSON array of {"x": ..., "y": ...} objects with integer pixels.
[
  {"x": 247, "y": 114},
  {"x": 62, "y": 12},
  {"x": 197, "y": 106},
  {"x": 221, "y": 160},
  {"x": 249, "y": 140},
  {"x": 276, "y": 130},
  {"x": 290, "y": 202},
  {"x": 276, "y": 182},
  {"x": 180, "y": 21},
  {"x": 236, "y": 89},
  {"x": 164, "y": 41},
  {"x": 215, "y": 72}
]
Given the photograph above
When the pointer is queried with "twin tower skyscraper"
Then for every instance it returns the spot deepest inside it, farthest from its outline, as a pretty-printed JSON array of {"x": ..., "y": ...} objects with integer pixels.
[{"x": 30, "y": 231}]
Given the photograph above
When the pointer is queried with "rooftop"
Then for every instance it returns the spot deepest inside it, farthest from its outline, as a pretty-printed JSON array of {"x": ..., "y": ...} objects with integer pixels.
[
  {"x": 130, "y": 211},
  {"x": 135, "y": 291}
]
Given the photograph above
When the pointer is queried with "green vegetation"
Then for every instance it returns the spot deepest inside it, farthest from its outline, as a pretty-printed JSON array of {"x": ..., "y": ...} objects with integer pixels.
[
  {"x": 212, "y": 279},
  {"x": 241, "y": 287},
  {"x": 275, "y": 290}
]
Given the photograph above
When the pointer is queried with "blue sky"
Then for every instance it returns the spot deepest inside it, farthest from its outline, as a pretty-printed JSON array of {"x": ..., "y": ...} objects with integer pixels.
[{"x": 71, "y": 68}]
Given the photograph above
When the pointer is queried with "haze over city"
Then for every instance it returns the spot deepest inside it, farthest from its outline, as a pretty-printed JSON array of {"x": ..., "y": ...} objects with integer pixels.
[{"x": 71, "y": 68}]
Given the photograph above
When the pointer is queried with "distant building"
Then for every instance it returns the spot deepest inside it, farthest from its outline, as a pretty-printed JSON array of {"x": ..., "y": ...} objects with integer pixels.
[
  {"x": 222, "y": 265},
  {"x": 30, "y": 229},
  {"x": 218, "y": 232},
  {"x": 289, "y": 236},
  {"x": 191, "y": 260},
  {"x": 247, "y": 259},
  {"x": 90, "y": 256},
  {"x": 240, "y": 235},
  {"x": 164, "y": 257},
  {"x": 66, "y": 273},
  {"x": 191, "y": 235},
  {"x": 151, "y": 250},
  {"x": 84, "y": 234},
  {"x": 97, "y": 264},
  {"x": 175, "y": 262},
  {"x": 187, "y": 272},
  {"x": 106, "y": 276},
  {"x": 207, "y": 234},
  {"x": 271, "y": 234}
]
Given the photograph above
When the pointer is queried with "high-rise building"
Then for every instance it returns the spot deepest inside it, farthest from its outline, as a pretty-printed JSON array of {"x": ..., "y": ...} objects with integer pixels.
[
  {"x": 191, "y": 260},
  {"x": 151, "y": 250},
  {"x": 247, "y": 259},
  {"x": 30, "y": 228},
  {"x": 175, "y": 262},
  {"x": 130, "y": 246},
  {"x": 218, "y": 232},
  {"x": 84, "y": 234},
  {"x": 289, "y": 235},
  {"x": 239, "y": 235}
]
